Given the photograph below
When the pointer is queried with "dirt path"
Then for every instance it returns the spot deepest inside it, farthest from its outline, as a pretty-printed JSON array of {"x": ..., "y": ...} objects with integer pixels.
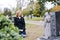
[{"x": 33, "y": 32}]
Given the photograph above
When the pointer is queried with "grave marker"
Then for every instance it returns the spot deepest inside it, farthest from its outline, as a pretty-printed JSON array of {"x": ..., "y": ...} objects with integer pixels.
[{"x": 52, "y": 26}]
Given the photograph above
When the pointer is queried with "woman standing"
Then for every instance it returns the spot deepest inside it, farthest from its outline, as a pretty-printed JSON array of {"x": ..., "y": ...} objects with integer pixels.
[{"x": 20, "y": 23}]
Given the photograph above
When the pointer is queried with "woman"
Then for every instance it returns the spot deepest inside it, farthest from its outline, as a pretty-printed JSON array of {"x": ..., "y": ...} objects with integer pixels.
[{"x": 20, "y": 23}]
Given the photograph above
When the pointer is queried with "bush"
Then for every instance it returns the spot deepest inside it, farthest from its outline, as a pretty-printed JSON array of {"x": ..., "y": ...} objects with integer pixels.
[{"x": 7, "y": 30}]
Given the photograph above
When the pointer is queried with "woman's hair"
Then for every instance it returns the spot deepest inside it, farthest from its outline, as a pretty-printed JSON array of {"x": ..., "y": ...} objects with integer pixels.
[{"x": 19, "y": 13}]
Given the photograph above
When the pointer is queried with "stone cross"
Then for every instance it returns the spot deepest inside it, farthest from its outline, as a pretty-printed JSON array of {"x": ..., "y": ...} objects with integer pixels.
[{"x": 51, "y": 26}]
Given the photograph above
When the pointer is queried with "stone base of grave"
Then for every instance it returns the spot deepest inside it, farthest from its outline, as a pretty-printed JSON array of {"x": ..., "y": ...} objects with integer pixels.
[{"x": 51, "y": 38}]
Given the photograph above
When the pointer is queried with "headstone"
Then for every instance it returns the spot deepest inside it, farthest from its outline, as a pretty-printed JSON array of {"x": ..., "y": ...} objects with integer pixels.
[
  {"x": 58, "y": 23},
  {"x": 52, "y": 26}
]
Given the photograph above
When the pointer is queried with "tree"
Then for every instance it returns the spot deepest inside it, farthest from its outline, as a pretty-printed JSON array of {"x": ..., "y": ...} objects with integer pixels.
[
  {"x": 8, "y": 12},
  {"x": 45, "y": 0},
  {"x": 36, "y": 9},
  {"x": 26, "y": 12},
  {"x": 20, "y": 4},
  {"x": 51, "y": 0},
  {"x": 31, "y": 7},
  {"x": 41, "y": 3}
]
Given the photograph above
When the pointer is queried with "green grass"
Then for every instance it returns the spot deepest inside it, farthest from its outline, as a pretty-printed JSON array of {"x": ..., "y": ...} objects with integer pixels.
[
  {"x": 29, "y": 25},
  {"x": 36, "y": 19}
]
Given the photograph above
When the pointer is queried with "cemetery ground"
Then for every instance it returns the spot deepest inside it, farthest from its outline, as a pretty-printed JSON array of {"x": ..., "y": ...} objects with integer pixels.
[{"x": 34, "y": 31}]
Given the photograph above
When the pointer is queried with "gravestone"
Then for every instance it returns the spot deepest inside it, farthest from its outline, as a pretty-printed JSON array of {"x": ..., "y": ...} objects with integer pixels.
[
  {"x": 52, "y": 26},
  {"x": 58, "y": 23}
]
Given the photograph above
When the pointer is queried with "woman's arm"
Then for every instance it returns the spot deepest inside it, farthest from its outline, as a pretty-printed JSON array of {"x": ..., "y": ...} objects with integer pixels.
[
  {"x": 15, "y": 21},
  {"x": 23, "y": 21}
]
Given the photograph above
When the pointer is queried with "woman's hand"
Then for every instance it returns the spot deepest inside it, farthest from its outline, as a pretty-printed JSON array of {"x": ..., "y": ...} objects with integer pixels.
[{"x": 21, "y": 30}]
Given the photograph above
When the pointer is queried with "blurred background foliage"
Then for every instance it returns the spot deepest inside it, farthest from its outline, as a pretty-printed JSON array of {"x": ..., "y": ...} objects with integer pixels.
[{"x": 36, "y": 8}]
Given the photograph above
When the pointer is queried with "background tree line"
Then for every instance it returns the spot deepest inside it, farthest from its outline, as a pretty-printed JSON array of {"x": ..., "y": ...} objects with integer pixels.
[{"x": 37, "y": 7}]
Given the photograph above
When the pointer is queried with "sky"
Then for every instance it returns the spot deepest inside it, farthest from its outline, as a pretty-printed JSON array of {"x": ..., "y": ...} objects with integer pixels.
[
  {"x": 11, "y": 4},
  {"x": 7, "y": 3}
]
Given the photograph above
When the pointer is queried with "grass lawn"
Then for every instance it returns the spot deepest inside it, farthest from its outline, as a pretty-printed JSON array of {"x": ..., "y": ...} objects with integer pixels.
[
  {"x": 33, "y": 31},
  {"x": 29, "y": 25},
  {"x": 36, "y": 18}
]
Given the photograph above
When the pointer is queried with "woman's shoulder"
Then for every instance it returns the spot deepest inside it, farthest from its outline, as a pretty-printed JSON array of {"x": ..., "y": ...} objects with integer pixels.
[
  {"x": 15, "y": 17},
  {"x": 22, "y": 17}
]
